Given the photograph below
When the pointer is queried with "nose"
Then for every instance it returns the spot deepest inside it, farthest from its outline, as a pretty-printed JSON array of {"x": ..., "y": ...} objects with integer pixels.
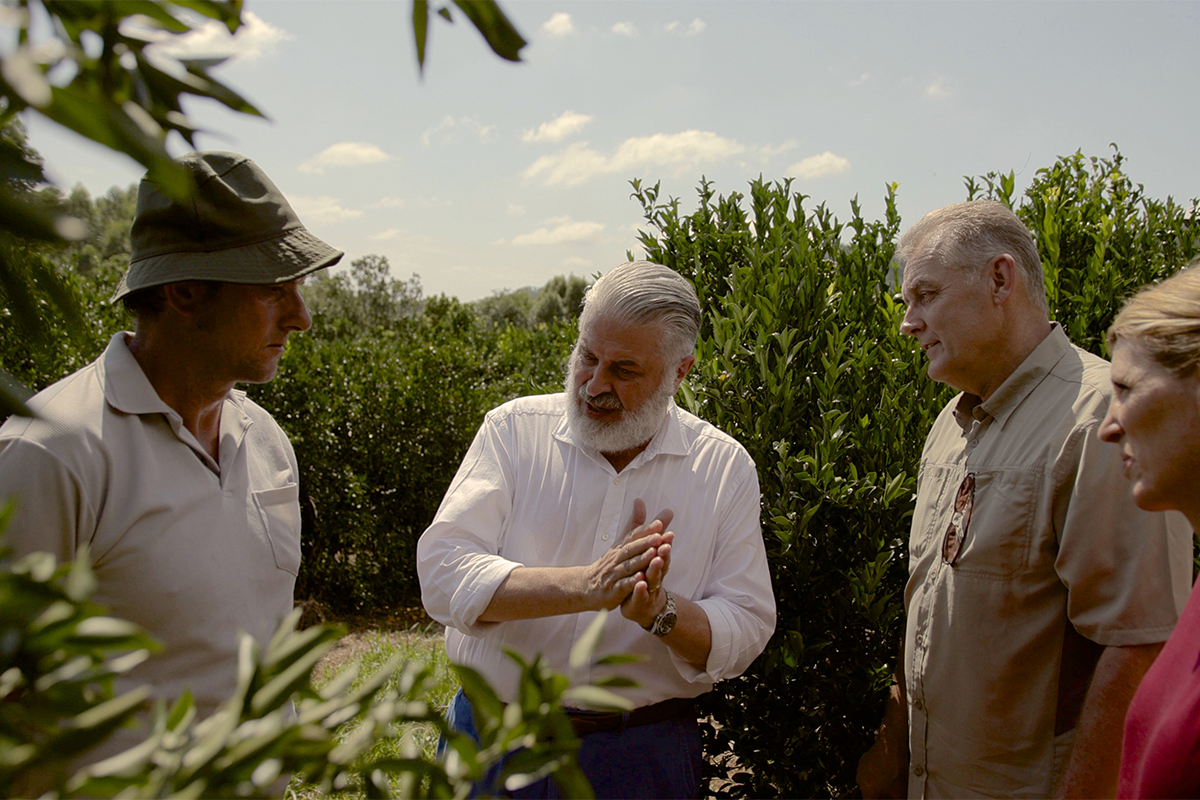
[
  {"x": 911, "y": 325},
  {"x": 596, "y": 383},
  {"x": 296, "y": 317},
  {"x": 1110, "y": 430}
]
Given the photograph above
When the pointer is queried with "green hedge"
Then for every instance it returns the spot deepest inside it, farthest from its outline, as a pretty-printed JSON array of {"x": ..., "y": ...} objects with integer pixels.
[
  {"x": 380, "y": 419},
  {"x": 801, "y": 359}
]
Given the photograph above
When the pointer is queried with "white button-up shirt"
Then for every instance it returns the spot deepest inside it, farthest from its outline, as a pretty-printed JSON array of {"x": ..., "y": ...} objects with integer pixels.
[{"x": 529, "y": 494}]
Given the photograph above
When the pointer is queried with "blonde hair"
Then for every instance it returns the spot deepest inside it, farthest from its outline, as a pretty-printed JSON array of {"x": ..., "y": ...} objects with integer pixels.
[
  {"x": 1164, "y": 321},
  {"x": 969, "y": 235}
]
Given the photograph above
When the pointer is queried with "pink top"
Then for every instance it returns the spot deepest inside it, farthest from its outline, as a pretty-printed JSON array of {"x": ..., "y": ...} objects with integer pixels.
[{"x": 1161, "y": 754}]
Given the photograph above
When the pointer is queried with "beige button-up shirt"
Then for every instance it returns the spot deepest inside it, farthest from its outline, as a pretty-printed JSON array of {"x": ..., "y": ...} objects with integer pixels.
[
  {"x": 1056, "y": 562},
  {"x": 193, "y": 550}
]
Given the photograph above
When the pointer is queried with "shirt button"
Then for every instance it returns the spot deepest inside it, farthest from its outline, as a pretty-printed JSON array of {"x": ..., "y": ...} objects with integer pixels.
[
  {"x": 918, "y": 705},
  {"x": 616, "y": 481},
  {"x": 605, "y": 537},
  {"x": 918, "y": 770}
]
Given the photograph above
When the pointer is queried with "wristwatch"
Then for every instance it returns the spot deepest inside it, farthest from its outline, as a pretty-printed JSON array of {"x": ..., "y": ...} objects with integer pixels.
[{"x": 665, "y": 621}]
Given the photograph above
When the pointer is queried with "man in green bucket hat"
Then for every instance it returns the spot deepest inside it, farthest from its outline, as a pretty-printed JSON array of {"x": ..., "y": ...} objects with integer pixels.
[{"x": 184, "y": 490}]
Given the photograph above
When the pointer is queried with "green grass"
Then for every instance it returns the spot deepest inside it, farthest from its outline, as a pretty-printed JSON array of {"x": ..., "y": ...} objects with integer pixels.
[{"x": 371, "y": 650}]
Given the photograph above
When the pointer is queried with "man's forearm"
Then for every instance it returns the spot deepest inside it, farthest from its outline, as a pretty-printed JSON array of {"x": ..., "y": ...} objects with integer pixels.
[
  {"x": 1096, "y": 754},
  {"x": 883, "y": 770},
  {"x": 532, "y": 592},
  {"x": 691, "y": 637}
]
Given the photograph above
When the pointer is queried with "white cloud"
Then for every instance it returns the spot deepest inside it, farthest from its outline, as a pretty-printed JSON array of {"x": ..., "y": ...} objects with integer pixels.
[
  {"x": 826, "y": 163},
  {"x": 860, "y": 80},
  {"x": 576, "y": 261},
  {"x": 625, "y": 29},
  {"x": 938, "y": 90},
  {"x": 560, "y": 230},
  {"x": 559, "y": 25},
  {"x": 345, "y": 154},
  {"x": 448, "y": 124},
  {"x": 578, "y": 162},
  {"x": 322, "y": 209},
  {"x": 566, "y": 124},
  {"x": 694, "y": 27},
  {"x": 515, "y": 210},
  {"x": 253, "y": 40},
  {"x": 383, "y": 236},
  {"x": 390, "y": 202}
]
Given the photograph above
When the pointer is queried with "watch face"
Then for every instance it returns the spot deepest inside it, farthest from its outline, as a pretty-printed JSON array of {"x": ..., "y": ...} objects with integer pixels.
[{"x": 665, "y": 620}]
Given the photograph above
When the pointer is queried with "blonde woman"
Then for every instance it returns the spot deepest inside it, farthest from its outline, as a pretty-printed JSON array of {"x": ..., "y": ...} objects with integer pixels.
[{"x": 1154, "y": 417}]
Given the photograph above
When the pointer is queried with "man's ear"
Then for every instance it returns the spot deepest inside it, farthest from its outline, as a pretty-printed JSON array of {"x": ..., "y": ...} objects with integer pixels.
[
  {"x": 1002, "y": 277},
  {"x": 682, "y": 370},
  {"x": 188, "y": 297}
]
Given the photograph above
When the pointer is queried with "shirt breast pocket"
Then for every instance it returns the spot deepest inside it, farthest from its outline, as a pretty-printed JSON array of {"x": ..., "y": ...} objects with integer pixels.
[
  {"x": 1000, "y": 532},
  {"x": 926, "y": 516},
  {"x": 279, "y": 510}
]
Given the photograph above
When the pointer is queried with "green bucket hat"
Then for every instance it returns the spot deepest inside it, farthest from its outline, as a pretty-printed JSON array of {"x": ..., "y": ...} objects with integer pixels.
[{"x": 237, "y": 227}]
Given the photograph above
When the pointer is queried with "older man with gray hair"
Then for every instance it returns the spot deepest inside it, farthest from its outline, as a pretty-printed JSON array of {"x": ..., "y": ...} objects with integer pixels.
[
  {"x": 545, "y": 524},
  {"x": 1038, "y": 593}
]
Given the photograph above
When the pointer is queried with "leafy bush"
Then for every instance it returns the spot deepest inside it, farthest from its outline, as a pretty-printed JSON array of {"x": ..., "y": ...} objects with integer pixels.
[
  {"x": 380, "y": 417},
  {"x": 1100, "y": 237},
  {"x": 801, "y": 360},
  {"x": 56, "y": 685}
]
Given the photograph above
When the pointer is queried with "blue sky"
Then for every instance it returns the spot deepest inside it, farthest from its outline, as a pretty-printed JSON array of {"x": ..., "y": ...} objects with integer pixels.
[{"x": 487, "y": 175}]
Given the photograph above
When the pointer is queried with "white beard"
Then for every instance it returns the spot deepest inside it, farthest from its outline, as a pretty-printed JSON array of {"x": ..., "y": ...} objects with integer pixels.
[{"x": 635, "y": 427}]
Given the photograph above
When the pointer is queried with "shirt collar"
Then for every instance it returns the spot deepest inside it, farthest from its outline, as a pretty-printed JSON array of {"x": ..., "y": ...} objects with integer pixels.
[
  {"x": 1010, "y": 394},
  {"x": 128, "y": 390},
  {"x": 126, "y": 387}
]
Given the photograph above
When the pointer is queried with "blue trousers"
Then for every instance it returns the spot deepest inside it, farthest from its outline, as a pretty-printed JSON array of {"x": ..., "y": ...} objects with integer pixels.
[{"x": 649, "y": 761}]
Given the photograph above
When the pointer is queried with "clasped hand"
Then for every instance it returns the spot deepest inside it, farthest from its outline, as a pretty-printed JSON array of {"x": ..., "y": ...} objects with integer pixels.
[{"x": 630, "y": 575}]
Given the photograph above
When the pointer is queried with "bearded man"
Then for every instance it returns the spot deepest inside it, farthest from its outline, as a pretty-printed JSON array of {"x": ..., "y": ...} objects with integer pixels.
[{"x": 545, "y": 525}]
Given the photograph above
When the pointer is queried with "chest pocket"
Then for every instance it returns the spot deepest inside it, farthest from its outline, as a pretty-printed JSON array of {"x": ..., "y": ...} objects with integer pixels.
[
  {"x": 1000, "y": 534},
  {"x": 279, "y": 510}
]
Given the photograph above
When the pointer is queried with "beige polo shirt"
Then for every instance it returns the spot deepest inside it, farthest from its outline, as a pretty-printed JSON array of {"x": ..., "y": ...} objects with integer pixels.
[
  {"x": 1056, "y": 562},
  {"x": 193, "y": 550}
]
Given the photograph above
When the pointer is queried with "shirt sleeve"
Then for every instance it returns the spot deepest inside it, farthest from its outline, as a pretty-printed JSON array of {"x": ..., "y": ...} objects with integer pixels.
[
  {"x": 457, "y": 556},
  {"x": 1127, "y": 571},
  {"x": 737, "y": 597},
  {"x": 51, "y": 514}
]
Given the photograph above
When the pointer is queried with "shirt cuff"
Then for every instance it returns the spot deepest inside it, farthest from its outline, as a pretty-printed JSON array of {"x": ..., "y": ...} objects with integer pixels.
[{"x": 475, "y": 593}]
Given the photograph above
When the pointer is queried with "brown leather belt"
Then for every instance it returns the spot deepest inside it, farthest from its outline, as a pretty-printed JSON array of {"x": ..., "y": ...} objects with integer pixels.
[{"x": 586, "y": 722}]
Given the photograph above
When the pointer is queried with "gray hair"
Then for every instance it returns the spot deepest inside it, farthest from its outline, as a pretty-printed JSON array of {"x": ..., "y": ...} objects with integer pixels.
[
  {"x": 969, "y": 235},
  {"x": 1164, "y": 321},
  {"x": 642, "y": 293}
]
